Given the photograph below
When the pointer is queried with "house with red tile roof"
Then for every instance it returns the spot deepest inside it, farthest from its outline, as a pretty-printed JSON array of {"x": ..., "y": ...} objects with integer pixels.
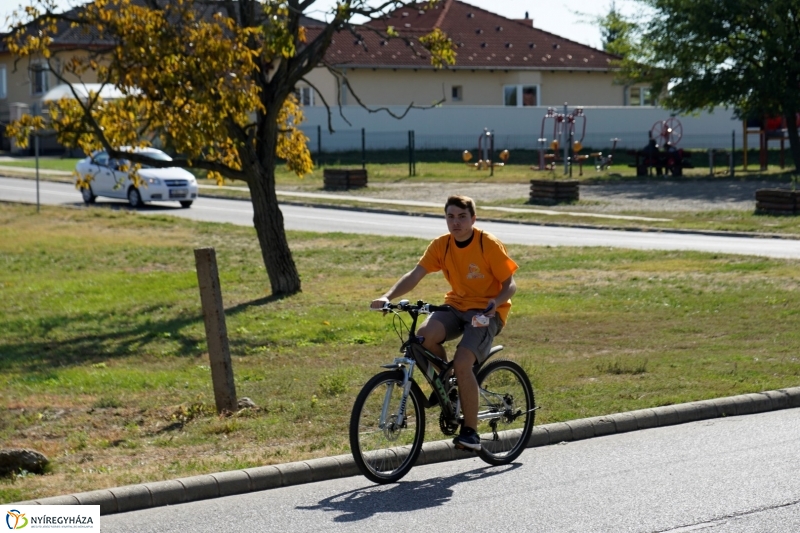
[{"x": 499, "y": 62}]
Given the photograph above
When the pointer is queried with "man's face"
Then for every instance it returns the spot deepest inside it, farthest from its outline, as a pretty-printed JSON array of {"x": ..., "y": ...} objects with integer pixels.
[{"x": 459, "y": 222}]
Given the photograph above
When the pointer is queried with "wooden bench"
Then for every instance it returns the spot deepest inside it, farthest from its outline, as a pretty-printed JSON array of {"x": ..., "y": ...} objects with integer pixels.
[{"x": 337, "y": 178}]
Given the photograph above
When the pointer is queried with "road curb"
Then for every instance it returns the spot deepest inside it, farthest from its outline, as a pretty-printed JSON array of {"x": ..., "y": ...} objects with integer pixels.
[{"x": 183, "y": 490}]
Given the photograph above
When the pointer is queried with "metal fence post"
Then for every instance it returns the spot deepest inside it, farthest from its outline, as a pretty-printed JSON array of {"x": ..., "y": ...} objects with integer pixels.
[
  {"x": 414, "y": 152},
  {"x": 409, "y": 153},
  {"x": 319, "y": 145},
  {"x": 216, "y": 331},
  {"x": 733, "y": 151},
  {"x": 565, "y": 140},
  {"x": 36, "y": 145},
  {"x": 363, "y": 148}
]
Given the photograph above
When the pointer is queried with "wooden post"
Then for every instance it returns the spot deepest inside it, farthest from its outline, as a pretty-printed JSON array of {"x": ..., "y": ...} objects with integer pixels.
[{"x": 216, "y": 332}]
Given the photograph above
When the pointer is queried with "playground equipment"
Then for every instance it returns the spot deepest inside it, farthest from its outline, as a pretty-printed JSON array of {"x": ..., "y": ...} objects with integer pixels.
[
  {"x": 565, "y": 128},
  {"x": 485, "y": 153},
  {"x": 768, "y": 129},
  {"x": 667, "y": 132},
  {"x": 664, "y": 134},
  {"x": 564, "y": 125},
  {"x": 604, "y": 162}
]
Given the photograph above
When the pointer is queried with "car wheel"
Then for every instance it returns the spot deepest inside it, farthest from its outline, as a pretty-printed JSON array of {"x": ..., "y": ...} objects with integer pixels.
[
  {"x": 135, "y": 197},
  {"x": 186, "y": 204},
  {"x": 88, "y": 195}
]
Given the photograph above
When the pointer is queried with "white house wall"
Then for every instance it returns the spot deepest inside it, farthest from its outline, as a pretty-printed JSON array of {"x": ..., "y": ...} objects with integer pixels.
[
  {"x": 381, "y": 87},
  {"x": 581, "y": 88}
]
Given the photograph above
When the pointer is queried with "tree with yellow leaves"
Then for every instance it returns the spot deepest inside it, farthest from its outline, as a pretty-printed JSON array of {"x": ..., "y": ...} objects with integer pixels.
[{"x": 210, "y": 81}]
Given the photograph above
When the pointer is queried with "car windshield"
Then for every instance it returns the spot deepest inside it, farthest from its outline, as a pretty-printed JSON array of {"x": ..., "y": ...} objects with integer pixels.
[{"x": 160, "y": 156}]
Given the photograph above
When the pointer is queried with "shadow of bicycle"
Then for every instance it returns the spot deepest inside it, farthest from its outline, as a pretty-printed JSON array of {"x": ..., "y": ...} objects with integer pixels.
[{"x": 360, "y": 504}]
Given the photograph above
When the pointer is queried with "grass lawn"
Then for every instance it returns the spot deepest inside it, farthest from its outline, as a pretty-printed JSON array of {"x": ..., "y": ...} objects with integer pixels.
[{"x": 106, "y": 370}]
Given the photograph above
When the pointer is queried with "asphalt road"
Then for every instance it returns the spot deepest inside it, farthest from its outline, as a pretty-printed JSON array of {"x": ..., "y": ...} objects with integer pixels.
[
  {"x": 736, "y": 474},
  {"x": 349, "y": 221}
]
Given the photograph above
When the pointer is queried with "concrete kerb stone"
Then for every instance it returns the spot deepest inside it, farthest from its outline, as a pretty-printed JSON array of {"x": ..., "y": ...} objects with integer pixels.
[
  {"x": 646, "y": 418},
  {"x": 104, "y": 498},
  {"x": 169, "y": 492},
  {"x": 233, "y": 482},
  {"x": 725, "y": 406},
  {"x": 603, "y": 425},
  {"x": 581, "y": 428},
  {"x": 437, "y": 452},
  {"x": 199, "y": 487},
  {"x": 156, "y": 494},
  {"x": 666, "y": 415},
  {"x": 706, "y": 409},
  {"x": 624, "y": 422},
  {"x": 688, "y": 412},
  {"x": 347, "y": 465},
  {"x": 780, "y": 399},
  {"x": 794, "y": 396},
  {"x": 294, "y": 473},
  {"x": 559, "y": 432},
  {"x": 264, "y": 477},
  {"x": 324, "y": 468},
  {"x": 539, "y": 437},
  {"x": 132, "y": 497},
  {"x": 69, "y": 499}
]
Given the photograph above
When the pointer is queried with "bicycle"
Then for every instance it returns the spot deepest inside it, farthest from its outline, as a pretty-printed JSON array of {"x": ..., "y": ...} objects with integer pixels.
[{"x": 387, "y": 430}]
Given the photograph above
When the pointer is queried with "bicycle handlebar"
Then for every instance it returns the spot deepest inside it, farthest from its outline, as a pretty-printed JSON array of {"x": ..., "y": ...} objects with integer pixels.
[{"x": 420, "y": 307}]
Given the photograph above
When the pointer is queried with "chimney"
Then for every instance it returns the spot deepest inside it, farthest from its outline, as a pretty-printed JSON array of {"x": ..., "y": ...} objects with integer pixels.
[{"x": 527, "y": 19}]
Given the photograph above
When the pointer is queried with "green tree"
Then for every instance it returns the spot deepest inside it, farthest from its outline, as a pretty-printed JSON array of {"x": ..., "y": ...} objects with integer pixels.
[
  {"x": 616, "y": 32},
  {"x": 743, "y": 54},
  {"x": 211, "y": 81}
]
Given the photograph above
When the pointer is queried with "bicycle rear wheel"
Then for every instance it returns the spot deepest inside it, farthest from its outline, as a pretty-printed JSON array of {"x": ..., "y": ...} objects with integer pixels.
[
  {"x": 383, "y": 449},
  {"x": 506, "y": 411}
]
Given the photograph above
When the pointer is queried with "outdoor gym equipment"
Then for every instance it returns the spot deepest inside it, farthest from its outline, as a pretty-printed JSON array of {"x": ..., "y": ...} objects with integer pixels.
[
  {"x": 564, "y": 135},
  {"x": 664, "y": 135},
  {"x": 485, "y": 153},
  {"x": 604, "y": 162},
  {"x": 667, "y": 132}
]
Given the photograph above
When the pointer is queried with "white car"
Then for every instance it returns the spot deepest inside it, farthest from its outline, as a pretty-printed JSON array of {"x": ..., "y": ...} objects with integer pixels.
[{"x": 161, "y": 184}]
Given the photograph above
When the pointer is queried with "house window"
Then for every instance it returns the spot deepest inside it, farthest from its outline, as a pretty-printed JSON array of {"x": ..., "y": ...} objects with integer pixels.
[
  {"x": 640, "y": 96},
  {"x": 40, "y": 78},
  {"x": 521, "y": 95},
  {"x": 457, "y": 93},
  {"x": 304, "y": 95}
]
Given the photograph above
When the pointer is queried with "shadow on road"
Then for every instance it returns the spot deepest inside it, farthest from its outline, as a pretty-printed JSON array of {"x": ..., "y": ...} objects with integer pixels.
[{"x": 361, "y": 504}]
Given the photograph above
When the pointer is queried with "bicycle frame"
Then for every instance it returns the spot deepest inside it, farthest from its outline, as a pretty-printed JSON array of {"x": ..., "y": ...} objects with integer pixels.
[
  {"x": 425, "y": 360},
  {"x": 417, "y": 355}
]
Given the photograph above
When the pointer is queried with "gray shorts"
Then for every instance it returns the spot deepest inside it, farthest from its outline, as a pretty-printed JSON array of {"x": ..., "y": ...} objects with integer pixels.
[{"x": 477, "y": 340}]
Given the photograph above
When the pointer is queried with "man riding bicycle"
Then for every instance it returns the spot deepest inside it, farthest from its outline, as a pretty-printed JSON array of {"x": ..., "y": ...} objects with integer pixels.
[{"x": 481, "y": 277}]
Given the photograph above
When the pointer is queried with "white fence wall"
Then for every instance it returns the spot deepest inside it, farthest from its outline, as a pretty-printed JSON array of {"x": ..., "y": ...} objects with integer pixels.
[{"x": 458, "y": 127}]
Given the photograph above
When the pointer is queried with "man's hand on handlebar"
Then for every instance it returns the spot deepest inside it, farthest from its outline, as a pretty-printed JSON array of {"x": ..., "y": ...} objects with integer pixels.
[{"x": 379, "y": 304}]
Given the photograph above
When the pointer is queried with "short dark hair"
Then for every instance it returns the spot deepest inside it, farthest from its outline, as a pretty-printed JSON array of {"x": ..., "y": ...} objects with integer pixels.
[{"x": 463, "y": 202}]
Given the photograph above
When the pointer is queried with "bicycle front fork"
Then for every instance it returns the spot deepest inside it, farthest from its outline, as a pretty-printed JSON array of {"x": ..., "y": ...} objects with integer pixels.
[{"x": 407, "y": 366}]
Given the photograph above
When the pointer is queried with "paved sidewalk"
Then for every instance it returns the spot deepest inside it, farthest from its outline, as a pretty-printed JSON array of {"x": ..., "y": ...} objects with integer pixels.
[
  {"x": 414, "y": 203},
  {"x": 156, "y": 494}
]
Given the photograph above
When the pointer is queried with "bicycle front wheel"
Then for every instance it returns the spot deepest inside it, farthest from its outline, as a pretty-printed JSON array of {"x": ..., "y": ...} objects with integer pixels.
[
  {"x": 506, "y": 411},
  {"x": 383, "y": 446}
]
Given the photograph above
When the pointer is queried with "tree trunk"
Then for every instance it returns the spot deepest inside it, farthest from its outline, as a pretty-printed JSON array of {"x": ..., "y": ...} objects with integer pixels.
[
  {"x": 268, "y": 221},
  {"x": 794, "y": 139}
]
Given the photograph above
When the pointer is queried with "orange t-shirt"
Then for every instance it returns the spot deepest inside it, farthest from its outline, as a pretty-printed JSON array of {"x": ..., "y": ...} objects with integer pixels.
[{"x": 475, "y": 275}]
